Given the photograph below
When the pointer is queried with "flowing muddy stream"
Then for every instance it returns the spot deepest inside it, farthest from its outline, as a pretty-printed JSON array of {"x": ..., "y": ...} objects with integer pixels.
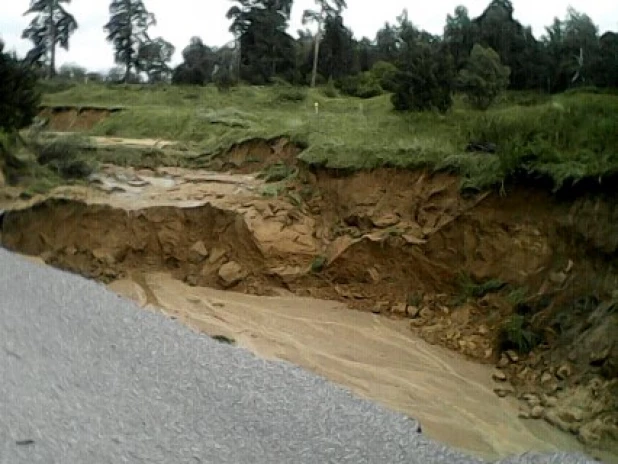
[{"x": 376, "y": 357}]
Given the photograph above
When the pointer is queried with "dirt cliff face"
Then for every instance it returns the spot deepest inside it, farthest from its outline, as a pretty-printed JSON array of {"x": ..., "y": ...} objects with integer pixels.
[{"x": 482, "y": 274}]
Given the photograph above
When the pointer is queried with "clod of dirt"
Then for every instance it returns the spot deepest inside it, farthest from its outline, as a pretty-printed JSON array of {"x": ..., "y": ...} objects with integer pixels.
[
  {"x": 386, "y": 220},
  {"x": 224, "y": 339},
  {"x": 499, "y": 376},
  {"x": 537, "y": 412},
  {"x": 198, "y": 252},
  {"x": 564, "y": 371},
  {"x": 217, "y": 254},
  {"x": 231, "y": 273},
  {"x": 400, "y": 309},
  {"x": 504, "y": 391}
]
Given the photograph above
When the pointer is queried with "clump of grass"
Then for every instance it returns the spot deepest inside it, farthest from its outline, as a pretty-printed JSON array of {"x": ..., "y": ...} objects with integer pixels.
[
  {"x": 64, "y": 155},
  {"x": 318, "y": 264},
  {"x": 272, "y": 190},
  {"x": 230, "y": 117},
  {"x": 516, "y": 333},
  {"x": 277, "y": 172},
  {"x": 285, "y": 92},
  {"x": 468, "y": 288},
  {"x": 565, "y": 140},
  {"x": 330, "y": 91},
  {"x": 517, "y": 296},
  {"x": 295, "y": 198},
  {"x": 415, "y": 299},
  {"x": 40, "y": 186}
]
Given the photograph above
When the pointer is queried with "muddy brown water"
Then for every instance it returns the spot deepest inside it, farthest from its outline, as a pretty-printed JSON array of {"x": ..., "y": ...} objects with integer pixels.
[{"x": 376, "y": 357}]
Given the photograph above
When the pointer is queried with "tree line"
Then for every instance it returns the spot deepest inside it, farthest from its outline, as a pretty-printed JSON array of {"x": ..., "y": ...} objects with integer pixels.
[
  {"x": 478, "y": 55},
  {"x": 570, "y": 52}
]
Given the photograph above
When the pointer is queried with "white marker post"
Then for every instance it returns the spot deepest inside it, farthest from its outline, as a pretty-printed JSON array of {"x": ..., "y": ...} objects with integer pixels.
[{"x": 316, "y": 105}]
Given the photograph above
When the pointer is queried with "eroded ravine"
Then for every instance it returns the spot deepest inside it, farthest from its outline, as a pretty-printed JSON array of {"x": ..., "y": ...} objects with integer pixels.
[{"x": 167, "y": 238}]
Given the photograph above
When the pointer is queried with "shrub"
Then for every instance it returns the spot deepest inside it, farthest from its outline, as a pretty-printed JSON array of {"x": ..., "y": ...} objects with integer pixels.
[
  {"x": 318, "y": 264},
  {"x": 424, "y": 81},
  {"x": 285, "y": 92},
  {"x": 483, "y": 78},
  {"x": 517, "y": 334},
  {"x": 63, "y": 156},
  {"x": 565, "y": 140},
  {"x": 223, "y": 79},
  {"x": 363, "y": 85},
  {"x": 55, "y": 85},
  {"x": 188, "y": 75},
  {"x": 385, "y": 74},
  {"x": 19, "y": 97},
  {"x": 330, "y": 90}
]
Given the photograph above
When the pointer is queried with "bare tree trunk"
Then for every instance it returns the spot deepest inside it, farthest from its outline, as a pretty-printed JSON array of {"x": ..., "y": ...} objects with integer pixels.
[
  {"x": 127, "y": 71},
  {"x": 238, "y": 58},
  {"x": 52, "y": 41},
  {"x": 316, "y": 53}
]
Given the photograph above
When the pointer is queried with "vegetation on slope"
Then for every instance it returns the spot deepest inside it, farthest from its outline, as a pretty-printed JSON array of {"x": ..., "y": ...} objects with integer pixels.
[{"x": 564, "y": 138}]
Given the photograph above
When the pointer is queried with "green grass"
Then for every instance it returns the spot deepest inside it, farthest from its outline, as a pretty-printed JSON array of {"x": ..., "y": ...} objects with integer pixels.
[
  {"x": 277, "y": 172},
  {"x": 563, "y": 138},
  {"x": 517, "y": 334},
  {"x": 468, "y": 288},
  {"x": 318, "y": 264}
]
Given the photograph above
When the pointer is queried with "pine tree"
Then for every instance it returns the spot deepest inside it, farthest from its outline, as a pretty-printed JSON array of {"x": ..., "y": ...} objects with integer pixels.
[
  {"x": 52, "y": 26},
  {"x": 19, "y": 102},
  {"x": 127, "y": 29}
]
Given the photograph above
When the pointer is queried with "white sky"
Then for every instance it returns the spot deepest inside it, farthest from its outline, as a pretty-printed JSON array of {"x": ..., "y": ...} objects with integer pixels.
[{"x": 179, "y": 20}]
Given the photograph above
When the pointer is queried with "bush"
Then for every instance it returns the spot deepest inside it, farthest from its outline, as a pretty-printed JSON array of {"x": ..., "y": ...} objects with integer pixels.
[
  {"x": 319, "y": 79},
  {"x": 424, "y": 81},
  {"x": 363, "y": 85},
  {"x": 517, "y": 334},
  {"x": 188, "y": 75},
  {"x": 63, "y": 156},
  {"x": 285, "y": 92},
  {"x": 565, "y": 140},
  {"x": 330, "y": 91},
  {"x": 55, "y": 85},
  {"x": 483, "y": 78},
  {"x": 19, "y": 97},
  {"x": 223, "y": 79},
  {"x": 385, "y": 74}
]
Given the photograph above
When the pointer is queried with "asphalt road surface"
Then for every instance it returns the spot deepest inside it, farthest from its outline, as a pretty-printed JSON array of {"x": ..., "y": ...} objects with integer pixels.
[{"x": 88, "y": 377}]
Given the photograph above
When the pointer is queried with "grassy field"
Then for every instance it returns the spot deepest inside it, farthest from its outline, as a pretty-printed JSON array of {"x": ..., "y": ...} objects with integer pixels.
[{"x": 565, "y": 138}]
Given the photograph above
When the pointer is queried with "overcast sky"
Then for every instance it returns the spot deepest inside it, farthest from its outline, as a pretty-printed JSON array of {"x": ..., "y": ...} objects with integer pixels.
[{"x": 179, "y": 20}]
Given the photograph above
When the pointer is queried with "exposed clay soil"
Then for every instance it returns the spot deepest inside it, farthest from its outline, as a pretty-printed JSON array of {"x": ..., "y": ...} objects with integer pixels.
[
  {"x": 390, "y": 242},
  {"x": 256, "y": 154},
  {"x": 71, "y": 118}
]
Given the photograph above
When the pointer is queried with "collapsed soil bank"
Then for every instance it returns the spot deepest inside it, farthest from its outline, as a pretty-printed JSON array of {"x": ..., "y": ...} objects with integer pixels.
[
  {"x": 394, "y": 243},
  {"x": 70, "y": 118}
]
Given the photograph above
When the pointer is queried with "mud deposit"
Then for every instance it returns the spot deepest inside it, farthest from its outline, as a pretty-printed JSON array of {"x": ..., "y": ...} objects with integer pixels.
[{"x": 396, "y": 244}]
